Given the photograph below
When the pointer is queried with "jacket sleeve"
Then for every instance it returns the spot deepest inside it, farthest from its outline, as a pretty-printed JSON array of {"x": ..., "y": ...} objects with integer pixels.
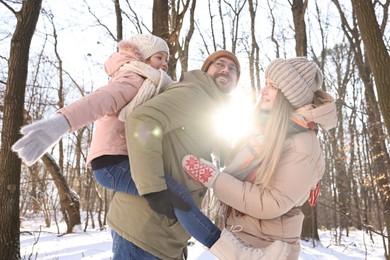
[
  {"x": 298, "y": 172},
  {"x": 106, "y": 100},
  {"x": 172, "y": 110}
]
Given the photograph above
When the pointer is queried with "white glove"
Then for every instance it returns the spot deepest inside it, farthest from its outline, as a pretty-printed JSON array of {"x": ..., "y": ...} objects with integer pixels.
[{"x": 39, "y": 137}]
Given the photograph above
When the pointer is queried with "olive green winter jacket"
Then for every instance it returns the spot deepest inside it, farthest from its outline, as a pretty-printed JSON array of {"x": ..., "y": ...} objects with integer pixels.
[{"x": 159, "y": 134}]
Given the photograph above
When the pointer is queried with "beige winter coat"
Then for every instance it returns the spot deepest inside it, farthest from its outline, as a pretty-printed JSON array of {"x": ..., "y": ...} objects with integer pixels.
[
  {"x": 275, "y": 213},
  {"x": 160, "y": 133}
]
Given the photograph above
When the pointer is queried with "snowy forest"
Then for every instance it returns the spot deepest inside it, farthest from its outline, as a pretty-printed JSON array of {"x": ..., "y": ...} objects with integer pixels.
[{"x": 53, "y": 53}]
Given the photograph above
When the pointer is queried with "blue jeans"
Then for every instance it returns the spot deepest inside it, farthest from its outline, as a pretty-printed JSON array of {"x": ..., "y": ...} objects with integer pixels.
[
  {"x": 118, "y": 177},
  {"x": 125, "y": 250}
]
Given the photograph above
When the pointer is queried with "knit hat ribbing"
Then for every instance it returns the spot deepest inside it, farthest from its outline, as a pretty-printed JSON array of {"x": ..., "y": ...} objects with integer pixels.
[
  {"x": 297, "y": 78},
  {"x": 219, "y": 54},
  {"x": 149, "y": 44}
]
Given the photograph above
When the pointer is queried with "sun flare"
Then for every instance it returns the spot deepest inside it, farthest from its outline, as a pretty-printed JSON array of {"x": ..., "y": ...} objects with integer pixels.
[{"x": 234, "y": 120}]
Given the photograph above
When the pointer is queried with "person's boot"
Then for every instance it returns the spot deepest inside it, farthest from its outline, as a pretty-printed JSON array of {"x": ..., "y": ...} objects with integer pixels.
[{"x": 229, "y": 247}]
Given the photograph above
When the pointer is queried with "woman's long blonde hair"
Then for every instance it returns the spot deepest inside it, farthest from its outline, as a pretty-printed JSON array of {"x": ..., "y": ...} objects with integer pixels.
[{"x": 274, "y": 136}]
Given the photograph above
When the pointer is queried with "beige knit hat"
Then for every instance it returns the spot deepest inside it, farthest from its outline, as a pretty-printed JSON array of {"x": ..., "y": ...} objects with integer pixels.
[
  {"x": 219, "y": 54},
  {"x": 297, "y": 78},
  {"x": 149, "y": 44}
]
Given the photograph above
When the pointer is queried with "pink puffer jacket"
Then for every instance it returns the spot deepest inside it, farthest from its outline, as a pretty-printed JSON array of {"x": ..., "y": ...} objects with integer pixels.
[{"x": 104, "y": 105}]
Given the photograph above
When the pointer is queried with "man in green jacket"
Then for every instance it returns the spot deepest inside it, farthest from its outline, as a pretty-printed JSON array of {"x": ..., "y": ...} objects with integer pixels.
[{"x": 159, "y": 134}]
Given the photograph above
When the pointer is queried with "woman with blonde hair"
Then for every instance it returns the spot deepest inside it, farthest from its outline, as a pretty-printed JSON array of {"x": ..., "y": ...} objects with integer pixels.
[{"x": 274, "y": 171}]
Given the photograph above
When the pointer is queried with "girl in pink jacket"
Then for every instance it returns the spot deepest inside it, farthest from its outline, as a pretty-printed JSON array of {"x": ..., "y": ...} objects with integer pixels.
[
  {"x": 137, "y": 72},
  {"x": 277, "y": 169}
]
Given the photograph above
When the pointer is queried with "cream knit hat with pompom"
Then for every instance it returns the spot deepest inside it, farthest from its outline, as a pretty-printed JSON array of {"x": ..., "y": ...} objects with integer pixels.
[
  {"x": 149, "y": 44},
  {"x": 297, "y": 78}
]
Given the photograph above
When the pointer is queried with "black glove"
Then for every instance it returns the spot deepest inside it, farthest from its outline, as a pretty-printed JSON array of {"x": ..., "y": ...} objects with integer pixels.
[{"x": 164, "y": 201}]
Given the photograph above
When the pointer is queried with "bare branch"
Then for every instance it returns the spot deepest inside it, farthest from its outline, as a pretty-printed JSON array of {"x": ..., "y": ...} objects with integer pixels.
[
  {"x": 100, "y": 22},
  {"x": 8, "y": 7}
]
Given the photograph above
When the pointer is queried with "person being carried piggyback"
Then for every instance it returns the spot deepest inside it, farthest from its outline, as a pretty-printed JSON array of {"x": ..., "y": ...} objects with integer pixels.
[{"x": 137, "y": 72}]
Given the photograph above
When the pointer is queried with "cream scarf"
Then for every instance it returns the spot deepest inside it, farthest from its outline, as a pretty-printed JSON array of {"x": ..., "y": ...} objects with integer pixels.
[{"x": 156, "y": 81}]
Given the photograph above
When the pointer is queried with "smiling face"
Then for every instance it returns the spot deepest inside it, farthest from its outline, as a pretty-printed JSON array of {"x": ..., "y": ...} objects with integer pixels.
[
  {"x": 158, "y": 60},
  {"x": 268, "y": 95},
  {"x": 225, "y": 74}
]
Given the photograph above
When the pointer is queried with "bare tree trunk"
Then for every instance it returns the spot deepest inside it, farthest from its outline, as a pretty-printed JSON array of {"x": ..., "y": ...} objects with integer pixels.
[
  {"x": 222, "y": 28},
  {"x": 69, "y": 200},
  {"x": 379, "y": 60},
  {"x": 273, "y": 36},
  {"x": 100, "y": 205},
  {"x": 183, "y": 50},
  {"x": 355, "y": 206},
  {"x": 106, "y": 200},
  {"x": 254, "y": 67},
  {"x": 168, "y": 20},
  {"x": 43, "y": 198},
  {"x": 10, "y": 164},
  {"x": 363, "y": 187},
  {"x": 326, "y": 215},
  {"x": 119, "y": 24},
  {"x": 298, "y": 9},
  {"x": 309, "y": 228},
  {"x": 342, "y": 179},
  {"x": 161, "y": 29},
  {"x": 235, "y": 22},
  {"x": 78, "y": 151},
  {"x": 161, "y": 18},
  {"x": 60, "y": 92},
  {"x": 90, "y": 198},
  {"x": 372, "y": 172},
  {"x": 34, "y": 191},
  {"x": 380, "y": 155},
  {"x": 377, "y": 53}
]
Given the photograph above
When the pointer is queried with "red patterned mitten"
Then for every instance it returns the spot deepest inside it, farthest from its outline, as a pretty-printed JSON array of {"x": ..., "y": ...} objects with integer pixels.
[{"x": 200, "y": 170}]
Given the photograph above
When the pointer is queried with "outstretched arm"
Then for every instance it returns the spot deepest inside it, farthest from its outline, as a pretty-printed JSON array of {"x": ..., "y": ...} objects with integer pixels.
[{"x": 39, "y": 137}]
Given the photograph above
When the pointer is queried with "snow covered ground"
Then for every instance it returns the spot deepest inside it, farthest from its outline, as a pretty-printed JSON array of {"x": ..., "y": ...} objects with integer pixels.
[{"x": 38, "y": 242}]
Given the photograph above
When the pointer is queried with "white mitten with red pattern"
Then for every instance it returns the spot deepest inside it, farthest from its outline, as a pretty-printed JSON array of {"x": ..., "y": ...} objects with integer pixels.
[{"x": 202, "y": 171}]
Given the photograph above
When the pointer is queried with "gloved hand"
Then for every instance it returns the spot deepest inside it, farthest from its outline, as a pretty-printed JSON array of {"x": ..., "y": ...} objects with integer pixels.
[
  {"x": 202, "y": 171},
  {"x": 39, "y": 137},
  {"x": 164, "y": 201}
]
